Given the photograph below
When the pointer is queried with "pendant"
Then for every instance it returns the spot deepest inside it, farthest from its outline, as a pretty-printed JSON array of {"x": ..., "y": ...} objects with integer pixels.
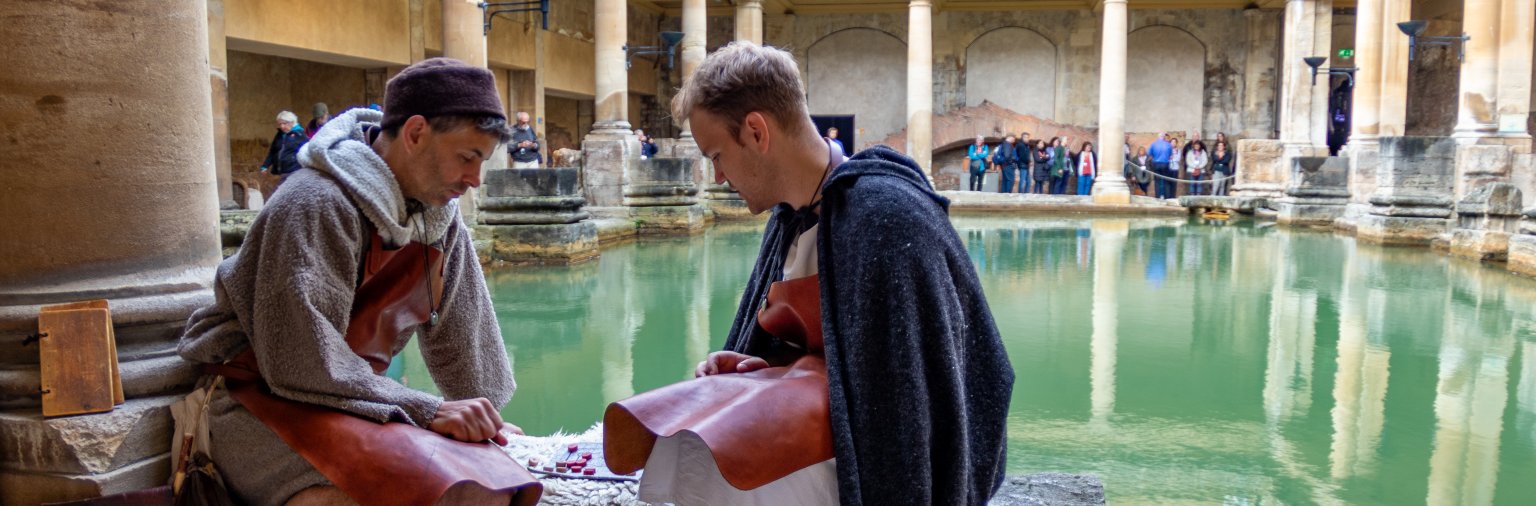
[{"x": 433, "y": 321}]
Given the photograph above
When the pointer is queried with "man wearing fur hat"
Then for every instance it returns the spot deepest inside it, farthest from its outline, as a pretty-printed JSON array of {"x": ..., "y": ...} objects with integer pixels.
[{"x": 359, "y": 250}]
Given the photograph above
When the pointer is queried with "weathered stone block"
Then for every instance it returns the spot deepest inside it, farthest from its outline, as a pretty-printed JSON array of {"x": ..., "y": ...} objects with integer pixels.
[
  {"x": 532, "y": 196},
  {"x": 1317, "y": 193},
  {"x": 1364, "y": 162},
  {"x": 661, "y": 182},
  {"x": 1415, "y": 167},
  {"x": 1479, "y": 164},
  {"x": 606, "y": 161},
  {"x": 668, "y": 220},
  {"x": 1056, "y": 489},
  {"x": 1493, "y": 207},
  {"x": 1521, "y": 256},
  {"x": 86, "y": 444},
  {"x": 556, "y": 243},
  {"x": 1399, "y": 230},
  {"x": 1240, "y": 204},
  {"x": 1261, "y": 173},
  {"x": 1483, "y": 245}
]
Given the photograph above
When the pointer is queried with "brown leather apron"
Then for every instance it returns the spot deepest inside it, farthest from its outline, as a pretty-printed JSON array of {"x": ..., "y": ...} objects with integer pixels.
[
  {"x": 381, "y": 463},
  {"x": 760, "y": 426}
]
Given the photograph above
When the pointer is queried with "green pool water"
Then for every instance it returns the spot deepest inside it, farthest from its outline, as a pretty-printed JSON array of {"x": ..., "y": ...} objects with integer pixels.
[{"x": 1183, "y": 363}]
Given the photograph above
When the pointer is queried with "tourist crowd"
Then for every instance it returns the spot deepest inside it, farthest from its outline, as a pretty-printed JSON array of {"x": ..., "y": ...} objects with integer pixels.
[{"x": 1060, "y": 166}]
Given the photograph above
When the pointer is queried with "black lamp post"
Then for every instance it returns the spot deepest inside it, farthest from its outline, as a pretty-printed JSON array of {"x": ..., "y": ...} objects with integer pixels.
[
  {"x": 668, "y": 47},
  {"x": 493, "y": 9},
  {"x": 1415, "y": 32},
  {"x": 1316, "y": 62}
]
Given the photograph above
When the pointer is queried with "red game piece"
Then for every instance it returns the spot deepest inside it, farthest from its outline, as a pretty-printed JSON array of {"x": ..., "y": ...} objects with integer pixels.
[
  {"x": 589, "y": 472},
  {"x": 586, "y": 455},
  {"x": 572, "y": 448}
]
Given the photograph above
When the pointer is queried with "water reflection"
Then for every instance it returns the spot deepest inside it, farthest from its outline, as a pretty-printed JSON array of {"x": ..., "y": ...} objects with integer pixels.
[{"x": 1183, "y": 363}]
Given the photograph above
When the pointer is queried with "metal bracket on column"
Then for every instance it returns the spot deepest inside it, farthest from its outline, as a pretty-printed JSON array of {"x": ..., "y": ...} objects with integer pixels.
[
  {"x": 1415, "y": 29},
  {"x": 667, "y": 47},
  {"x": 492, "y": 9},
  {"x": 1317, "y": 61}
]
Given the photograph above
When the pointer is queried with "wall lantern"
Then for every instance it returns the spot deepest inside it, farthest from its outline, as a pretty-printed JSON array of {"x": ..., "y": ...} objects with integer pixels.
[
  {"x": 1316, "y": 62},
  {"x": 668, "y": 47},
  {"x": 494, "y": 9},
  {"x": 1415, "y": 32}
]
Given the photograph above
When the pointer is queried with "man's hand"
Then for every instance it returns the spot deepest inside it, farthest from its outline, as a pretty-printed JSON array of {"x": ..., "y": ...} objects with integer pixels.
[
  {"x": 727, "y": 362},
  {"x": 471, "y": 421}
]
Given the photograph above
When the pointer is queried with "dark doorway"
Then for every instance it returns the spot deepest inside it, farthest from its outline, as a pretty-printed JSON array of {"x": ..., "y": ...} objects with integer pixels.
[{"x": 845, "y": 131}]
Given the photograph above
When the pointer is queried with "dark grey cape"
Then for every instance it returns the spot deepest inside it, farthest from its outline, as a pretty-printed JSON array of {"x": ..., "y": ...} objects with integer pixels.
[{"x": 919, "y": 379}]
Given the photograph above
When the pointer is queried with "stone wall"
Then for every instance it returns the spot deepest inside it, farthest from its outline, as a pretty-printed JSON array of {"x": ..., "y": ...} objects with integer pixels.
[
  {"x": 1216, "y": 83},
  {"x": 876, "y": 98}
]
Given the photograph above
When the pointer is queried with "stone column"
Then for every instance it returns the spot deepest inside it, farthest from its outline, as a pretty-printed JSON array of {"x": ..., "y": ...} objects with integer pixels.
[
  {"x": 218, "y": 79},
  {"x": 1108, "y": 185},
  {"x": 610, "y": 34},
  {"x": 1303, "y": 106},
  {"x": 1365, "y": 107},
  {"x": 749, "y": 21},
  {"x": 1392, "y": 110},
  {"x": 97, "y": 206},
  {"x": 1478, "y": 101},
  {"x": 1260, "y": 74},
  {"x": 610, "y": 148},
  {"x": 695, "y": 26},
  {"x": 920, "y": 84},
  {"x": 1515, "y": 50},
  {"x": 464, "y": 40}
]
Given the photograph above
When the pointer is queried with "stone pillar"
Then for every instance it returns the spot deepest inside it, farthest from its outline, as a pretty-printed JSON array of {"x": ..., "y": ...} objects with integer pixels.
[
  {"x": 218, "y": 79},
  {"x": 464, "y": 40},
  {"x": 920, "y": 84},
  {"x": 1260, "y": 74},
  {"x": 1365, "y": 118},
  {"x": 1478, "y": 100},
  {"x": 1410, "y": 205},
  {"x": 97, "y": 206},
  {"x": 1108, "y": 185},
  {"x": 1304, "y": 106},
  {"x": 749, "y": 21},
  {"x": 1515, "y": 51},
  {"x": 1392, "y": 109},
  {"x": 610, "y": 148},
  {"x": 695, "y": 27}
]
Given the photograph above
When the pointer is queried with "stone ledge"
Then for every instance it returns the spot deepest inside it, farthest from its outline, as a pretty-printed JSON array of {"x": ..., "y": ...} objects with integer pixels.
[
  {"x": 1050, "y": 489},
  {"x": 86, "y": 444},
  {"x": 1239, "y": 204},
  {"x": 37, "y": 488}
]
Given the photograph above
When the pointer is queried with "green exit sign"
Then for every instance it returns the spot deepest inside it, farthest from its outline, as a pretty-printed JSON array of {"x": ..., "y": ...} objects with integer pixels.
[{"x": 1346, "y": 53}]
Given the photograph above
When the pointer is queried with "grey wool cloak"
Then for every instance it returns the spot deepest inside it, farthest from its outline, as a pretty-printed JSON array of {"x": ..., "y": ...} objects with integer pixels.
[
  {"x": 919, "y": 380},
  {"x": 287, "y": 295}
]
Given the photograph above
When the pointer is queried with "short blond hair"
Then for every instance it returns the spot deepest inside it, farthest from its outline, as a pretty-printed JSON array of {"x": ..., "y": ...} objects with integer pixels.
[{"x": 741, "y": 78}]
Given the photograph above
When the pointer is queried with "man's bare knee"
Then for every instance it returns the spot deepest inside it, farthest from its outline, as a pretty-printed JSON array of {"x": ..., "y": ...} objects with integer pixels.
[{"x": 320, "y": 496}]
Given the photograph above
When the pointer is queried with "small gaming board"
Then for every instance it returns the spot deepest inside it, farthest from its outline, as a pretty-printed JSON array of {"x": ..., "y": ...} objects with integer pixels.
[{"x": 578, "y": 461}]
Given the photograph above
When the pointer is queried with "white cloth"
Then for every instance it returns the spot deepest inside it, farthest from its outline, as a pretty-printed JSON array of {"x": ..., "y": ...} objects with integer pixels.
[{"x": 682, "y": 471}]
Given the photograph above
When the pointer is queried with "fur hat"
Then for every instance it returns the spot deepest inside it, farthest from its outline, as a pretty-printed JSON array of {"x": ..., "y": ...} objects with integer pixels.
[{"x": 440, "y": 87}]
